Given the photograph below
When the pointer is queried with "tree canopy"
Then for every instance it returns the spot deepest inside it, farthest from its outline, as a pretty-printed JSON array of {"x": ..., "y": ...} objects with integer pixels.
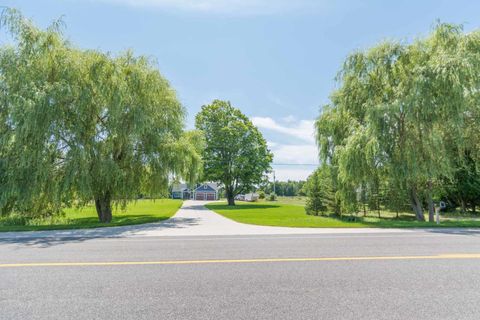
[
  {"x": 402, "y": 120},
  {"x": 236, "y": 153},
  {"x": 80, "y": 125}
]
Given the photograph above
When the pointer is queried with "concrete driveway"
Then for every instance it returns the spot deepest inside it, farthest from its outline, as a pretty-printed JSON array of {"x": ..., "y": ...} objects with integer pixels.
[{"x": 193, "y": 219}]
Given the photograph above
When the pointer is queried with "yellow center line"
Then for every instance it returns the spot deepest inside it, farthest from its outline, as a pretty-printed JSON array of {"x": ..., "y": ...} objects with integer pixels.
[{"x": 219, "y": 261}]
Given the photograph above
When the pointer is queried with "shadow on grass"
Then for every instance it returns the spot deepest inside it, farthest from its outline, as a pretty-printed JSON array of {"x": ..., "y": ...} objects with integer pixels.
[
  {"x": 87, "y": 223},
  {"x": 459, "y": 227}
]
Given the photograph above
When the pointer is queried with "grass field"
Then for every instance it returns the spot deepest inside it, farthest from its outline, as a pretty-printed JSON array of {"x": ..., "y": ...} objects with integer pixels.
[
  {"x": 142, "y": 211},
  {"x": 289, "y": 200},
  {"x": 291, "y": 215}
]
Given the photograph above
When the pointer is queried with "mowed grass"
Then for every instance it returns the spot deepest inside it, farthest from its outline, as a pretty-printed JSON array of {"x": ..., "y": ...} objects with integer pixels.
[
  {"x": 299, "y": 200},
  {"x": 141, "y": 211},
  {"x": 289, "y": 215}
]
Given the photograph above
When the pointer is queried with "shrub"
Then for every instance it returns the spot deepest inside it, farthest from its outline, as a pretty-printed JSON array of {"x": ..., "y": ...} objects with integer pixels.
[
  {"x": 261, "y": 194},
  {"x": 13, "y": 220},
  {"x": 272, "y": 197}
]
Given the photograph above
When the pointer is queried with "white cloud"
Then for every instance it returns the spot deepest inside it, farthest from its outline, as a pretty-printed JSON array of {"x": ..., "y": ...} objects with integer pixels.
[
  {"x": 296, "y": 174},
  {"x": 295, "y": 154},
  {"x": 290, "y": 161},
  {"x": 303, "y": 129},
  {"x": 224, "y": 6}
]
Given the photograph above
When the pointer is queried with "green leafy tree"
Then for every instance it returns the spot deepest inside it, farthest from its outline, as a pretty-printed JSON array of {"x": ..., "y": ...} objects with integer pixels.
[
  {"x": 81, "y": 126},
  {"x": 236, "y": 153},
  {"x": 398, "y": 109}
]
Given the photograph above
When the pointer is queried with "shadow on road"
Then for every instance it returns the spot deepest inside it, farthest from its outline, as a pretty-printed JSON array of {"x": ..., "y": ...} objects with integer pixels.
[
  {"x": 45, "y": 239},
  {"x": 455, "y": 231}
]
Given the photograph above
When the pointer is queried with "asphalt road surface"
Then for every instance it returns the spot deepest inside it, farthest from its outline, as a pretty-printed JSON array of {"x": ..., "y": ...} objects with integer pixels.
[{"x": 415, "y": 275}]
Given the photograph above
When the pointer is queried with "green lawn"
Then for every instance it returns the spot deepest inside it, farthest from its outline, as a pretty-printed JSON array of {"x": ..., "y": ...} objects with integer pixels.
[
  {"x": 290, "y": 200},
  {"x": 290, "y": 215},
  {"x": 141, "y": 211}
]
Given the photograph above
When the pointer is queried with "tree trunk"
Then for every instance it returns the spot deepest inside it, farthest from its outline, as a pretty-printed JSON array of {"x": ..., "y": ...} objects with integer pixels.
[
  {"x": 230, "y": 197},
  {"x": 416, "y": 205},
  {"x": 378, "y": 199},
  {"x": 104, "y": 208},
  {"x": 378, "y": 208},
  {"x": 431, "y": 207},
  {"x": 462, "y": 205},
  {"x": 337, "y": 208},
  {"x": 474, "y": 208},
  {"x": 231, "y": 200}
]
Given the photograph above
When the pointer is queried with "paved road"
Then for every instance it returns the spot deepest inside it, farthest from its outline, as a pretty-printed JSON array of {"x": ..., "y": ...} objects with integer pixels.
[{"x": 181, "y": 283}]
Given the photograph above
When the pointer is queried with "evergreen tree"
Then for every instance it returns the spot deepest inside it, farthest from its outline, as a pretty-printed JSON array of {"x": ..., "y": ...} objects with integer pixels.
[{"x": 316, "y": 199}]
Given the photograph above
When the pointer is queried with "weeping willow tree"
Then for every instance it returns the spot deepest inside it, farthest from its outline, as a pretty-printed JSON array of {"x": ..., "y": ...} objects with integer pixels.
[
  {"x": 80, "y": 125},
  {"x": 398, "y": 110}
]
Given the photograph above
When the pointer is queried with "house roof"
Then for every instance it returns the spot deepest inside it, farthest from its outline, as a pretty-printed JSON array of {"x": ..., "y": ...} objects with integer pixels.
[
  {"x": 179, "y": 187},
  {"x": 210, "y": 186}
]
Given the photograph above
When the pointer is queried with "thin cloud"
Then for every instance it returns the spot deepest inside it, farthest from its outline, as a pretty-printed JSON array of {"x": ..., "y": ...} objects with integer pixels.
[
  {"x": 290, "y": 160},
  {"x": 224, "y": 6},
  {"x": 289, "y": 173},
  {"x": 294, "y": 161},
  {"x": 295, "y": 154},
  {"x": 303, "y": 129}
]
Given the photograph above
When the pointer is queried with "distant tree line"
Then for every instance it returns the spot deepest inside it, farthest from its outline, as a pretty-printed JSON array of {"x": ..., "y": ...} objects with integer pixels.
[
  {"x": 288, "y": 188},
  {"x": 402, "y": 129}
]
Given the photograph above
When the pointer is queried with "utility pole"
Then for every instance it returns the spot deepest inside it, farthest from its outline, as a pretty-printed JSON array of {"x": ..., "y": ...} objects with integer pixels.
[{"x": 274, "y": 182}]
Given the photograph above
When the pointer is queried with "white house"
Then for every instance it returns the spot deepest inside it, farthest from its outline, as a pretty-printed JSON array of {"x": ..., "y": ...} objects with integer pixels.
[{"x": 250, "y": 197}]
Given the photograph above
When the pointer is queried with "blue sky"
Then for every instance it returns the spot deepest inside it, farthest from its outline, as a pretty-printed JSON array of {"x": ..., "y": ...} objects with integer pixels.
[{"x": 275, "y": 60}]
